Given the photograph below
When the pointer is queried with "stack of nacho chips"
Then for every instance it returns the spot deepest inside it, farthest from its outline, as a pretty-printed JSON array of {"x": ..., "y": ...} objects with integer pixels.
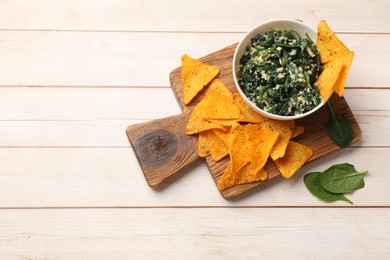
[
  {"x": 337, "y": 59},
  {"x": 227, "y": 126}
]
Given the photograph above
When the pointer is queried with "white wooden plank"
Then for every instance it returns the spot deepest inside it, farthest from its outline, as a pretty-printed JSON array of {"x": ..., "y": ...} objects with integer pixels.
[
  {"x": 110, "y": 177},
  {"x": 89, "y": 133},
  {"x": 99, "y": 116},
  {"x": 69, "y": 133},
  {"x": 195, "y": 234},
  {"x": 86, "y": 103},
  {"x": 144, "y": 59},
  {"x": 203, "y": 15},
  {"x": 25, "y": 103},
  {"x": 99, "y": 58}
]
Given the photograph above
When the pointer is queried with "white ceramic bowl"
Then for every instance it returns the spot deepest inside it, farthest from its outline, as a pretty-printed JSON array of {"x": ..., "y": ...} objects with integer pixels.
[{"x": 262, "y": 28}]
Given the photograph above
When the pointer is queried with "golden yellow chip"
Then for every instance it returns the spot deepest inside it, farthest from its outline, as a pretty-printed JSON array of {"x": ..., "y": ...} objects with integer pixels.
[
  {"x": 298, "y": 130},
  {"x": 223, "y": 135},
  {"x": 220, "y": 88},
  {"x": 285, "y": 129},
  {"x": 218, "y": 103},
  {"x": 217, "y": 147},
  {"x": 203, "y": 144},
  {"x": 328, "y": 77},
  {"x": 247, "y": 114},
  {"x": 328, "y": 44},
  {"x": 262, "y": 142},
  {"x": 246, "y": 175},
  {"x": 342, "y": 77},
  {"x": 224, "y": 122},
  {"x": 195, "y": 75},
  {"x": 296, "y": 155},
  {"x": 239, "y": 147},
  {"x": 197, "y": 124},
  {"x": 230, "y": 178},
  {"x": 210, "y": 144}
]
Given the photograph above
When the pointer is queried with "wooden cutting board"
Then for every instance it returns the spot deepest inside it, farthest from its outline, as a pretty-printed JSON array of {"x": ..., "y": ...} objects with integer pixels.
[{"x": 164, "y": 150}]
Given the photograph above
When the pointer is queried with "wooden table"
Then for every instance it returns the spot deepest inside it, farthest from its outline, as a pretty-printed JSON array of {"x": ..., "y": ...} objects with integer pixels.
[{"x": 75, "y": 74}]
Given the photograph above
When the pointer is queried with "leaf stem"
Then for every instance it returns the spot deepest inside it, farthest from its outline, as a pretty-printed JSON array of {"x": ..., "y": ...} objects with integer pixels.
[
  {"x": 334, "y": 116},
  {"x": 347, "y": 200},
  {"x": 331, "y": 109}
]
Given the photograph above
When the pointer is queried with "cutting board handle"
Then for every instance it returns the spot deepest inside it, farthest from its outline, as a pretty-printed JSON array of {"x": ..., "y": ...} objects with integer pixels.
[{"x": 162, "y": 147}]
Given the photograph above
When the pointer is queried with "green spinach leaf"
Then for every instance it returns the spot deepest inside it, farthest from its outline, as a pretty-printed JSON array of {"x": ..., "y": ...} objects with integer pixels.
[
  {"x": 339, "y": 129},
  {"x": 342, "y": 178},
  {"x": 313, "y": 184}
]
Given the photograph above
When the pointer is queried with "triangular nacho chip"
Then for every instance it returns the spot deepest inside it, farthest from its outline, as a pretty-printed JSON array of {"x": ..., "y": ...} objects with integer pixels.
[
  {"x": 329, "y": 45},
  {"x": 197, "y": 124},
  {"x": 244, "y": 175},
  {"x": 247, "y": 114},
  {"x": 239, "y": 147},
  {"x": 285, "y": 129},
  {"x": 328, "y": 78},
  {"x": 262, "y": 142},
  {"x": 217, "y": 147},
  {"x": 298, "y": 130},
  {"x": 218, "y": 103},
  {"x": 296, "y": 155},
  {"x": 223, "y": 135},
  {"x": 195, "y": 75},
  {"x": 342, "y": 78},
  {"x": 210, "y": 144},
  {"x": 203, "y": 143},
  {"x": 228, "y": 178},
  {"x": 224, "y": 122}
]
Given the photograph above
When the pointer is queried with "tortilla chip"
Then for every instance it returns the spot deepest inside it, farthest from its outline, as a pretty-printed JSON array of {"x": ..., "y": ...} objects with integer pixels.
[
  {"x": 210, "y": 144},
  {"x": 223, "y": 135},
  {"x": 203, "y": 144},
  {"x": 218, "y": 103},
  {"x": 224, "y": 122},
  {"x": 197, "y": 124},
  {"x": 328, "y": 77},
  {"x": 342, "y": 78},
  {"x": 285, "y": 129},
  {"x": 217, "y": 147},
  {"x": 195, "y": 75},
  {"x": 329, "y": 45},
  {"x": 239, "y": 147},
  {"x": 220, "y": 88},
  {"x": 230, "y": 178},
  {"x": 247, "y": 114},
  {"x": 245, "y": 175},
  {"x": 296, "y": 155},
  {"x": 298, "y": 130},
  {"x": 262, "y": 141}
]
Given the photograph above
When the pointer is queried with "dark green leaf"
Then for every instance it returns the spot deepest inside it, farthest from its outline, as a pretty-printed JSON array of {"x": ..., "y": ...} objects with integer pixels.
[
  {"x": 342, "y": 178},
  {"x": 313, "y": 184},
  {"x": 339, "y": 129}
]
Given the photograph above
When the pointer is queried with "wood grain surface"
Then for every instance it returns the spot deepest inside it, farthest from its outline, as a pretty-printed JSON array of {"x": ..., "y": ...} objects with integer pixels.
[
  {"x": 75, "y": 74},
  {"x": 162, "y": 148}
]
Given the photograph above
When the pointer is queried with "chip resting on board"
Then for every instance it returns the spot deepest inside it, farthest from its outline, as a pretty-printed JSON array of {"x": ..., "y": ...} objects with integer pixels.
[{"x": 195, "y": 76}]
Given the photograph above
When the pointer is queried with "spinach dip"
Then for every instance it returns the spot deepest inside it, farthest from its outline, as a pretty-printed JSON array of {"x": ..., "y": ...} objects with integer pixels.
[{"x": 278, "y": 71}]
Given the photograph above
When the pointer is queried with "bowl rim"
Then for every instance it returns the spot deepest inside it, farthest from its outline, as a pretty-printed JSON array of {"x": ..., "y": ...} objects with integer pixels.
[{"x": 243, "y": 44}]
